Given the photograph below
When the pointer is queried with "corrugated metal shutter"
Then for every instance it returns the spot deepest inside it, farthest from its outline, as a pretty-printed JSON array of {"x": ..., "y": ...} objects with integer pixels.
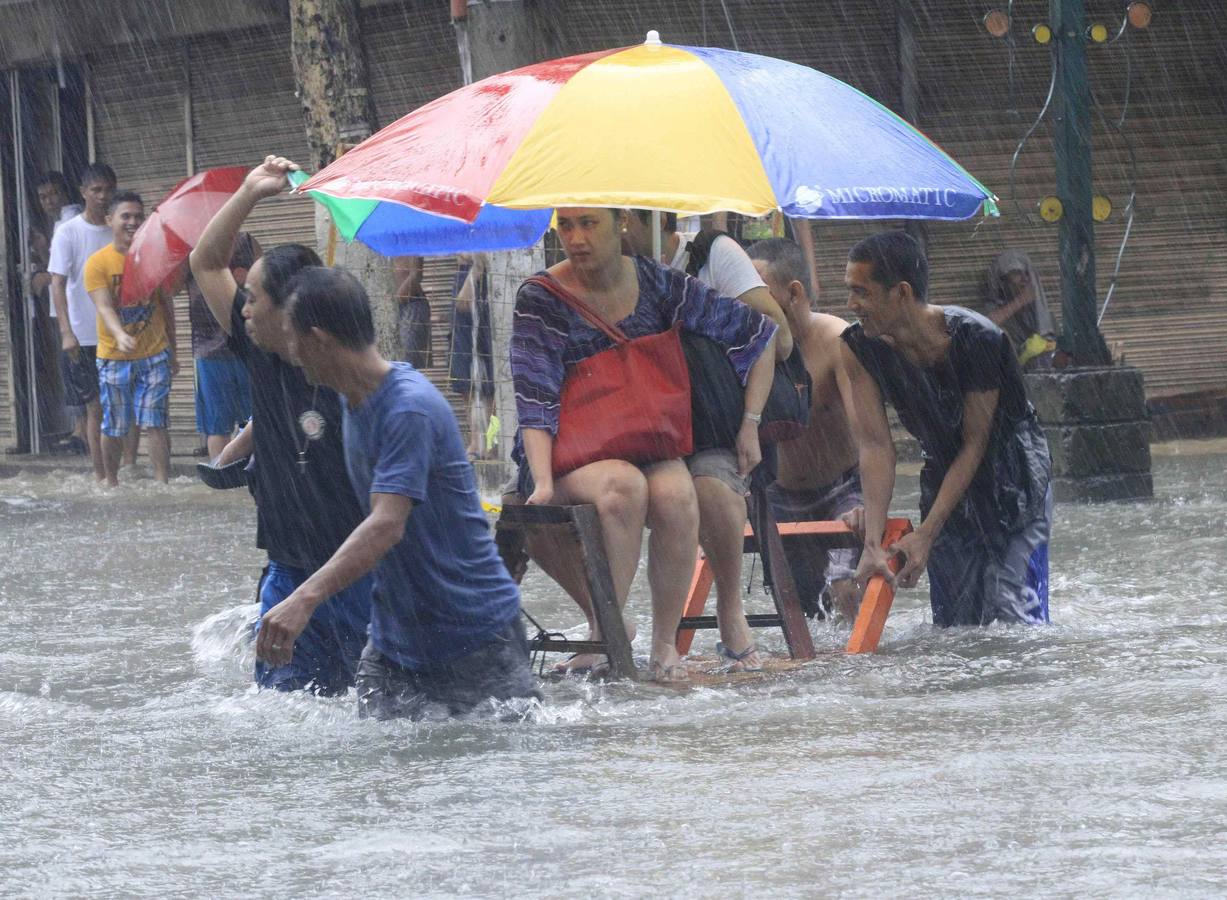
[
  {"x": 138, "y": 114},
  {"x": 243, "y": 108},
  {"x": 1169, "y": 310}
]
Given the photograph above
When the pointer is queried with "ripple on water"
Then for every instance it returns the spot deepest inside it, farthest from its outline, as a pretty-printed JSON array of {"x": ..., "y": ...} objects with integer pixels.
[{"x": 1084, "y": 758}]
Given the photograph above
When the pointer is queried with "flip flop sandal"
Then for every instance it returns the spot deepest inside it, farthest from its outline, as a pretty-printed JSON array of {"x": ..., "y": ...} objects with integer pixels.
[
  {"x": 736, "y": 661},
  {"x": 674, "y": 674}
]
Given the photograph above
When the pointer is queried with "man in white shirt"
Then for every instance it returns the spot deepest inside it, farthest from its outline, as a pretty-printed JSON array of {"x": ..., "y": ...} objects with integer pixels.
[{"x": 74, "y": 242}]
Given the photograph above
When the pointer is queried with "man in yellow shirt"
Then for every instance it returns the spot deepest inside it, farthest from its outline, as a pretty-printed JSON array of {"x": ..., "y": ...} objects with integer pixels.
[{"x": 136, "y": 341}]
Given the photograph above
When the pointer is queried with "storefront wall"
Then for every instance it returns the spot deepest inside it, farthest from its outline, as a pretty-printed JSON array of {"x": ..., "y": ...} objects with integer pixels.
[{"x": 164, "y": 109}]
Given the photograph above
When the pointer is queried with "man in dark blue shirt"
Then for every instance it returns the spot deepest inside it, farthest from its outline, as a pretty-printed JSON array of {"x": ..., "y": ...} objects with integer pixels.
[
  {"x": 953, "y": 378},
  {"x": 445, "y": 627}
]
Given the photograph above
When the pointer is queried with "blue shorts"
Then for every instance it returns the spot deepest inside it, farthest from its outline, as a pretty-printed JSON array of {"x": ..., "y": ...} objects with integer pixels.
[
  {"x": 223, "y": 396},
  {"x": 972, "y": 584},
  {"x": 326, "y": 654},
  {"x": 134, "y": 390}
]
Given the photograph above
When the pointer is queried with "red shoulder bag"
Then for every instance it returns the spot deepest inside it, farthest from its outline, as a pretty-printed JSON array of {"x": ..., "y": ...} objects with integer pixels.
[{"x": 629, "y": 402}]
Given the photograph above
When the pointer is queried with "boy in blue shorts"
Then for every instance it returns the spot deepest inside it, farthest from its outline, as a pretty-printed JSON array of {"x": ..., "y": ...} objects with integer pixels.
[
  {"x": 223, "y": 388},
  {"x": 136, "y": 347}
]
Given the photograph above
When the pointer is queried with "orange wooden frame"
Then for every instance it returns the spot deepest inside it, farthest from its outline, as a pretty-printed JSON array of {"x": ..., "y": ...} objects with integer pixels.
[{"x": 875, "y": 604}]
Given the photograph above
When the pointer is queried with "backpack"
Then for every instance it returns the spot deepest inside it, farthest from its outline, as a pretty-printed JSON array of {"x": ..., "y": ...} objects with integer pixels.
[{"x": 699, "y": 248}]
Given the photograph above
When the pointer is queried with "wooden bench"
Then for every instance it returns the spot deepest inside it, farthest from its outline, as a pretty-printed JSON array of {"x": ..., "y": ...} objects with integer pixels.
[{"x": 581, "y": 527}]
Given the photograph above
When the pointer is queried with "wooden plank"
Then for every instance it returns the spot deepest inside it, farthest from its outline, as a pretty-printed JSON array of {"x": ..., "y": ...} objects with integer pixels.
[
  {"x": 601, "y": 592},
  {"x": 878, "y": 597},
  {"x": 783, "y": 589}
]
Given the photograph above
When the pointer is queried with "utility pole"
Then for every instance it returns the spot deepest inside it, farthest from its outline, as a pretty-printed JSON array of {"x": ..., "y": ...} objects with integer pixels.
[
  {"x": 909, "y": 90},
  {"x": 495, "y": 36},
  {"x": 331, "y": 80},
  {"x": 1072, "y": 151}
]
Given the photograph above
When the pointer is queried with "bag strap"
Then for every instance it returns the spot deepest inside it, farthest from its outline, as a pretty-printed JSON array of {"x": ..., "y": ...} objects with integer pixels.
[
  {"x": 699, "y": 248},
  {"x": 549, "y": 283}
]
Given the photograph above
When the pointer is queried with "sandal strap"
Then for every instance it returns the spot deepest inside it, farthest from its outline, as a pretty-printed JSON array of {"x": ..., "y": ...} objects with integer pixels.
[{"x": 724, "y": 651}]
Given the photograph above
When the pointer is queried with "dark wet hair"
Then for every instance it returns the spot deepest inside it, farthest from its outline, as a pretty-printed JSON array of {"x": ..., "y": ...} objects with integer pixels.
[
  {"x": 97, "y": 171},
  {"x": 58, "y": 179},
  {"x": 334, "y": 301},
  {"x": 281, "y": 265},
  {"x": 645, "y": 216},
  {"x": 124, "y": 197},
  {"x": 895, "y": 256},
  {"x": 785, "y": 261}
]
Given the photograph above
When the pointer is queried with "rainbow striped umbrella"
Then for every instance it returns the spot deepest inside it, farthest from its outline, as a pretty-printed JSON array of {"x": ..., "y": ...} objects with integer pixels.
[{"x": 654, "y": 126}]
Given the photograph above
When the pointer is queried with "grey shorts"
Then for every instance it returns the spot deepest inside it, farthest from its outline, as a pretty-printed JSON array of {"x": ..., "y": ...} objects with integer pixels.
[
  {"x": 825, "y": 504},
  {"x": 497, "y": 670},
  {"x": 719, "y": 463}
]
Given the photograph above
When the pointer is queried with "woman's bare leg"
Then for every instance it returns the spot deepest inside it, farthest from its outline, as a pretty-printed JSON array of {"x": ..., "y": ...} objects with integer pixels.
[
  {"x": 620, "y": 493},
  {"x": 673, "y": 516},
  {"x": 722, "y": 525}
]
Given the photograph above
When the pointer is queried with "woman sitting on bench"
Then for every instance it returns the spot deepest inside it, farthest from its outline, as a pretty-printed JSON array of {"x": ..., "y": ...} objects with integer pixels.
[{"x": 642, "y": 298}]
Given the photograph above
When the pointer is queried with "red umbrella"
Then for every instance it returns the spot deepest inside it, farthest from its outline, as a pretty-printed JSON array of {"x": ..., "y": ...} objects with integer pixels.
[{"x": 161, "y": 245}]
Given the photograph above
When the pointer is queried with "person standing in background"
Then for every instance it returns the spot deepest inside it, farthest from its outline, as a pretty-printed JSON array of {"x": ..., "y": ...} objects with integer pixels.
[
  {"x": 412, "y": 311},
  {"x": 74, "y": 242},
  {"x": 223, "y": 388},
  {"x": 472, "y": 345},
  {"x": 136, "y": 347}
]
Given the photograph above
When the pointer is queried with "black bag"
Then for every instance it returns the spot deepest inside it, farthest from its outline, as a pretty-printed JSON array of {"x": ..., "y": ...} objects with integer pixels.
[
  {"x": 699, "y": 248},
  {"x": 717, "y": 396}
]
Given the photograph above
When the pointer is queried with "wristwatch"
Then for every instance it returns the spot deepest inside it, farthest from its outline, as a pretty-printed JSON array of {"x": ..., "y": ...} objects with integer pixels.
[{"x": 756, "y": 418}]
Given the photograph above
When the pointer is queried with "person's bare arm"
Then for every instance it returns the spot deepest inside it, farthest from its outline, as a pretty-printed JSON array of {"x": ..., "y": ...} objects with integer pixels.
[
  {"x": 538, "y": 456},
  {"x": 59, "y": 296},
  {"x": 758, "y": 386},
  {"x": 210, "y": 260},
  {"x": 407, "y": 276},
  {"x": 366, "y": 545},
  {"x": 102, "y": 298},
  {"x": 239, "y": 446},
  {"x": 999, "y": 314},
  {"x": 978, "y": 410},
  {"x": 760, "y": 299},
  {"x": 876, "y": 449}
]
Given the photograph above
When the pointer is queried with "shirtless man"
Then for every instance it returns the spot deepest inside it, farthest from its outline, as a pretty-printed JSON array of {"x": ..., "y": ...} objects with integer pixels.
[{"x": 818, "y": 476}]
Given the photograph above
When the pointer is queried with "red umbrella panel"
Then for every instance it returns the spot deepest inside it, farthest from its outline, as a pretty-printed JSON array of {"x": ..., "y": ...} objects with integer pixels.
[{"x": 161, "y": 245}]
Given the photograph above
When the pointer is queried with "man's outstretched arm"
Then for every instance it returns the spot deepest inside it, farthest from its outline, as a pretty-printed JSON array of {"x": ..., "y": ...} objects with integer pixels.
[
  {"x": 210, "y": 260},
  {"x": 366, "y": 545}
]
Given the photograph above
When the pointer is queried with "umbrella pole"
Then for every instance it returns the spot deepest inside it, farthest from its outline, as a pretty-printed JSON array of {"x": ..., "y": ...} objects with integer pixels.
[{"x": 656, "y": 236}]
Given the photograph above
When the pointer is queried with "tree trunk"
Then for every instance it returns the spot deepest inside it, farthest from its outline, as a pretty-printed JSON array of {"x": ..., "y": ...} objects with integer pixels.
[
  {"x": 331, "y": 78},
  {"x": 493, "y": 38}
]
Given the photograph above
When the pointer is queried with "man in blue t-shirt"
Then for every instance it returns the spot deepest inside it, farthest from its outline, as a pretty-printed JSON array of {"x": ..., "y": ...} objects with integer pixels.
[
  {"x": 953, "y": 378},
  {"x": 445, "y": 627}
]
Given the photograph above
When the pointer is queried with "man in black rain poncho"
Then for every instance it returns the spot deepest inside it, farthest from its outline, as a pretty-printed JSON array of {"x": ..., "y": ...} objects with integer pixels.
[{"x": 953, "y": 378}]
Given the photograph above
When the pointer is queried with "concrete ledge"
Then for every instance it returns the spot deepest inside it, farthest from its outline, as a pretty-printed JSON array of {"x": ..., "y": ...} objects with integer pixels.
[
  {"x": 1084, "y": 451},
  {"x": 1087, "y": 395},
  {"x": 1101, "y": 488}
]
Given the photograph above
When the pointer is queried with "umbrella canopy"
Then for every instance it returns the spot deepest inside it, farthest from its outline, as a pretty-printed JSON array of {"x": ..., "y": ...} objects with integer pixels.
[
  {"x": 161, "y": 245},
  {"x": 655, "y": 126}
]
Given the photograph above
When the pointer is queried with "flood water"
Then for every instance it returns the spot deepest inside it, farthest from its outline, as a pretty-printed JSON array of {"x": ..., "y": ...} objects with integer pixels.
[{"x": 1082, "y": 759}]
